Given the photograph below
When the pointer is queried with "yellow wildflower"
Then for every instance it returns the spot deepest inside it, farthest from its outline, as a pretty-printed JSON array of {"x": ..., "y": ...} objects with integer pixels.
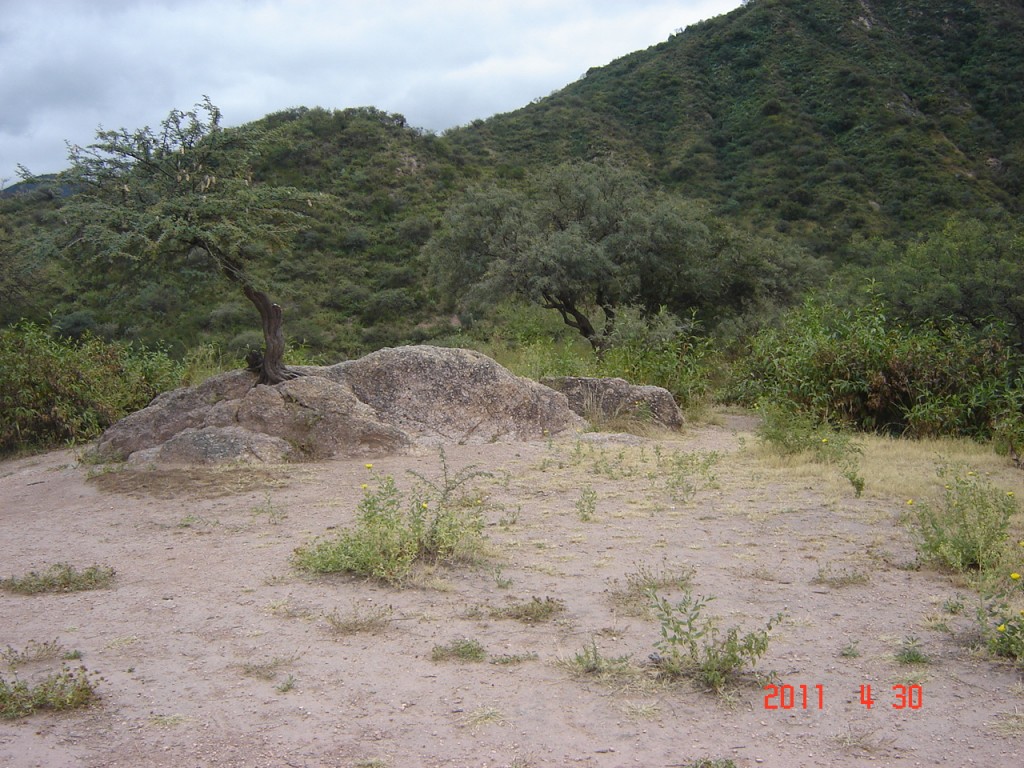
[
  {"x": 1001, "y": 628},
  {"x": 1015, "y": 576},
  {"x": 369, "y": 466},
  {"x": 910, "y": 501}
]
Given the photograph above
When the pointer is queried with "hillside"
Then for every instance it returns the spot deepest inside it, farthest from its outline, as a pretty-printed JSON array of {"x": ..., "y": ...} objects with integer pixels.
[
  {"x": 823, "y": 122},
  {"x": 819, "y": 119}
]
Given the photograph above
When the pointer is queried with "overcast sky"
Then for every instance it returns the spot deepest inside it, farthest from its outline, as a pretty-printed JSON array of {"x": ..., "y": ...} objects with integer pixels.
[{"x": 68, "y": 67}]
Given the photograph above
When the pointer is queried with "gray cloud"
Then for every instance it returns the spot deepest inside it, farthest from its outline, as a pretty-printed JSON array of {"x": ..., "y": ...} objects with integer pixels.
[{"x": 72, "y": 66}]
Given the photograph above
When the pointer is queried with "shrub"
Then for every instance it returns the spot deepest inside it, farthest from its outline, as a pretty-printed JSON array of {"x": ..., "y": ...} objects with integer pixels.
[
  {"x": 66, "y": 689},
  {"x": 1001, "y": 617},
  {"x": 55, "y": 390},
  {"x": 967, "y": 531},
  {"x": 393, "y": 533},
  {"x": 691, "y": 644},
  {"x": 659, "y": 350},
  {"x": 858, "y": 368}
]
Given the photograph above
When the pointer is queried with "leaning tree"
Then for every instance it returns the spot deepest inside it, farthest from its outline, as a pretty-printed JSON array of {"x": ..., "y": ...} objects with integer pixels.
[{"x": 183, "y": 195}]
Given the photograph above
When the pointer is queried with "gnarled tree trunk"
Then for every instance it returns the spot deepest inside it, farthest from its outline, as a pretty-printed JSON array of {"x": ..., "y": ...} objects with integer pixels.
[
  {"x": 572, "y": 317},
  {"x": 270, "y": 366}
]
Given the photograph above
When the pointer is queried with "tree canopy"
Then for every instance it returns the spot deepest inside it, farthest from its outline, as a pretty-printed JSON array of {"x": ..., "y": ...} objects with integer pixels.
[
  {"x": 181, "y": 197},
  {"x": 586, "y": 238}
]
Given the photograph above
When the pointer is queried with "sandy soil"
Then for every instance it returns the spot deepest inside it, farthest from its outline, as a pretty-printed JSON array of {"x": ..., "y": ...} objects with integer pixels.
[{"x": 215, "y": 652}]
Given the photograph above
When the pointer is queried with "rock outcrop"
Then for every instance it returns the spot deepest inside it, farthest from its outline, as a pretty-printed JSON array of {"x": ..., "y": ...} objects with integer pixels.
[
  {"x": 617, "y": 398},
  {"x": 384, "y": 403}
]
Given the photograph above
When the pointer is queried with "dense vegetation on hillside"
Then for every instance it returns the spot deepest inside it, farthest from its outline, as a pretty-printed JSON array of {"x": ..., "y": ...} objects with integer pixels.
[
  {"x": 783, "y": 148},
  {"x": 818, "y": 119}
]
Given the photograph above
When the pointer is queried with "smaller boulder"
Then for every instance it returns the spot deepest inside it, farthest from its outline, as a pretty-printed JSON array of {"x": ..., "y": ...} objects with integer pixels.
[{"x": 617, "y": 398}]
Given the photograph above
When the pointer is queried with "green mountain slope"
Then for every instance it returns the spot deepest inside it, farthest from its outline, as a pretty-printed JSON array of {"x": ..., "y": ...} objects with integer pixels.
[
  {"x": 821, "y": 119},
  {"x": 824, "y": 121}
]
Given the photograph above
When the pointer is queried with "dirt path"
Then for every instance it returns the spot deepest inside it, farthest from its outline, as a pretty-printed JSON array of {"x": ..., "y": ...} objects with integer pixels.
[{"x": 214, "y": 652}]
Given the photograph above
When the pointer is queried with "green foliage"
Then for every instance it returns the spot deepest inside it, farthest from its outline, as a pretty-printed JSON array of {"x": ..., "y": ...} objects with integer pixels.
[
  {"x": 459, "y": 650},
  {"x": 591, "y": 662},
  {"x": 1001, "y": 617},
  {"x": 910, "y": 652},
  {"x": 968, "y": 530},
  {"x": 857, "y": 367},
  {"x": 60, "y": 577},
  {"x": 969, "y": 270},
  {"x": 583, "y": 238},
  {"x": 691, "y": 643},
  {"x": 392, "y": 533},
  {"x": 54, "y": 390},
  {"x": 174, "y": 196},
  {"x": 661, "y": 351},
  {"x": 821, "y": 122},
  {"x": 831, "y": 128},
  {"x": 59, "y": 691}
]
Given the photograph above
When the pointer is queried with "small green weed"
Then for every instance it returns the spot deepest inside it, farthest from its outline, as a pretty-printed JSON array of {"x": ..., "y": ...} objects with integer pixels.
[
  {"x": 501, "y": 582},
  {"x": 586, "y": 505},
  {"x": 60, "y": 577},
  {"x": 968, "y": 530},
  {"x": 830, "y": 578},
  {"x": 692, "y": 645},
  {"x": 459, "y": 650},
  {"x": 484, "y": 716},
  {"x": 275, "y": 515},
  {"x": 33, "y": 652},
  {"x": 266, "y": 670},
  {"x": 590, "y": 662},
  {"x": 510, "y": 659},
  {"x": 850, "y": 651},
  {"x": 286, "y": 685},
  {"x": 688, "y": 473},
  {"x": 910, "y": 652},
  {"x": 954, "y": 606}
]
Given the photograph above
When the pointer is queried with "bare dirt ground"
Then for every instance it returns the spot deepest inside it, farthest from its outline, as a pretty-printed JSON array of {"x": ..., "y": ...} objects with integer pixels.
[{"x": 214, "y": 651}]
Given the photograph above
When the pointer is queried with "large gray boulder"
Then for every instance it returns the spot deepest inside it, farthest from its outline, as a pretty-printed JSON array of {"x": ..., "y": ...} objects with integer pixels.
[
  {"x": 384, "y": 403},
  {"x": 438, "y": 394},
  {"x": 617, "y": 398}
]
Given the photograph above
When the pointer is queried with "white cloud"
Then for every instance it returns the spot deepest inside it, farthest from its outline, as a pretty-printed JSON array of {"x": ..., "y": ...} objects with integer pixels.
[{"x": 71, "y": 66}]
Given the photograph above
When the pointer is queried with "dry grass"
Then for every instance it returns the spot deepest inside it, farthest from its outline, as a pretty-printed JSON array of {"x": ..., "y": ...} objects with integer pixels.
[
  {"x": 371, "y": 620},
  {"x": 191, "y": 482}
]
